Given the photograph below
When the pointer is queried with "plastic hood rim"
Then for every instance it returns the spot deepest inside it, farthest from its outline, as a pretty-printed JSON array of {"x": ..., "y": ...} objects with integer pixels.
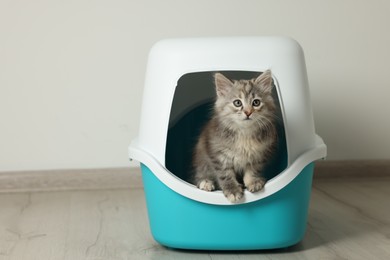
[{"x": 217, "y": 198}]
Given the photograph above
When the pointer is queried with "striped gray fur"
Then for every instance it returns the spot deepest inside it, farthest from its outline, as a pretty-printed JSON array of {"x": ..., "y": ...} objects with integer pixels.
[{"x": 240, "y": 137}]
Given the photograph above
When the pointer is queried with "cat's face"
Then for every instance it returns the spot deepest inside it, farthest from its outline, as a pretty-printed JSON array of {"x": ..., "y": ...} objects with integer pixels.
[{"x": 247, "y": 103}]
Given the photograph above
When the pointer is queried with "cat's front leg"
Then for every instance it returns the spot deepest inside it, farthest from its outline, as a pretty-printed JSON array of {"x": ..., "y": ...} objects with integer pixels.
[
  {"x": 231, "y": 188},
  {"x": 253, "y": 182}
]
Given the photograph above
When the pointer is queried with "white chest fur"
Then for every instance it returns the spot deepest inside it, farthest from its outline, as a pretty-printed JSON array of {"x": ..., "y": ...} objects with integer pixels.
[{"x": 247, "y": 149}]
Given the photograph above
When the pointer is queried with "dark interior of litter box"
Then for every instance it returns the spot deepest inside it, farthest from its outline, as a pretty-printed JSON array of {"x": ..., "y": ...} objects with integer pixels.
[{"x": 192, "y": 107}]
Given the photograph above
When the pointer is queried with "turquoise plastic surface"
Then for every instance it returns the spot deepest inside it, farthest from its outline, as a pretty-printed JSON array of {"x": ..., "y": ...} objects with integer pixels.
[{"x": 276, "y": 221}]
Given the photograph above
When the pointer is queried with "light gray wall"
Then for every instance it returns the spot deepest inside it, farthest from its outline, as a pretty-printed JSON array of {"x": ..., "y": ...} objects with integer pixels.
[{"x": 72, "y": 72}]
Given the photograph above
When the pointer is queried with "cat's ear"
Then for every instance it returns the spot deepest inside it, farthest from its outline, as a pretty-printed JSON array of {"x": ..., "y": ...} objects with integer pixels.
[
  {"x": 222, "y": 84},
  {"x": 264, "y": 81}
]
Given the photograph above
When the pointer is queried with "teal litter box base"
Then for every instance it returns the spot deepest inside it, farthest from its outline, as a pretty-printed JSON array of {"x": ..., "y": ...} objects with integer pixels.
[{"x": 276, "y": 221}]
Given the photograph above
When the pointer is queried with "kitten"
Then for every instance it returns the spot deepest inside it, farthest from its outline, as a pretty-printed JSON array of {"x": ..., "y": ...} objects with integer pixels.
[{"x": 235, "y": 144}]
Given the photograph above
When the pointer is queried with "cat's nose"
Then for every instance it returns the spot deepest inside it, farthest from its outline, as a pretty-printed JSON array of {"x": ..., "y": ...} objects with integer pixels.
[{"x": 248, "y": 113}]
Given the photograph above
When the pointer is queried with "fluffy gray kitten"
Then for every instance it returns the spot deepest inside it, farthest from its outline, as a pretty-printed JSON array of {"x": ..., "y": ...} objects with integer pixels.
[{"x": 239, "y": 138}]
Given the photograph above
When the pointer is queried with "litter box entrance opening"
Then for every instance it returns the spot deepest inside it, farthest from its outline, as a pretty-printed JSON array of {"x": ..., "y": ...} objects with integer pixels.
[{"x": 192, "y": 107}]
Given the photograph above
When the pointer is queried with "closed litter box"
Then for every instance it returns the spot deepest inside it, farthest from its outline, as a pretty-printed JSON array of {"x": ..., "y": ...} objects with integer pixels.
[{"x": 177, "y": 101}]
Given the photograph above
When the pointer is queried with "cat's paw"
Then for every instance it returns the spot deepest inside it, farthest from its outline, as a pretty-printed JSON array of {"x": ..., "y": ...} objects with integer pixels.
[
  {"x": 234, "y": 195},
  {"x": 206, "y": 185},
  {"x": 255, "y": 184}
]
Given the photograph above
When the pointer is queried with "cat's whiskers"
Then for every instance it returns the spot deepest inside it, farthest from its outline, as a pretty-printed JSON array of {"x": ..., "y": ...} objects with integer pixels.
[{"x": 266, "y": 124}]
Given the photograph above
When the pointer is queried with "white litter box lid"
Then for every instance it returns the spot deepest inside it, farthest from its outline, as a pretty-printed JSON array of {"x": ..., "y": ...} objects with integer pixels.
[{"x": 170, "y": 59}]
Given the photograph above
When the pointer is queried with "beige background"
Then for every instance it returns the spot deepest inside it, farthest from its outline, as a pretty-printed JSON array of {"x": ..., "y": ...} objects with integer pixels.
[{"x": 72, "y": 72}]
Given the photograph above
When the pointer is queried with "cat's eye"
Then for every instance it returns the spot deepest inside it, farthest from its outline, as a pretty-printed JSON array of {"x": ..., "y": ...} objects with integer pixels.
[
  {"x": 256, "y": 102},
  {"x": 237, "y": 103}
]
